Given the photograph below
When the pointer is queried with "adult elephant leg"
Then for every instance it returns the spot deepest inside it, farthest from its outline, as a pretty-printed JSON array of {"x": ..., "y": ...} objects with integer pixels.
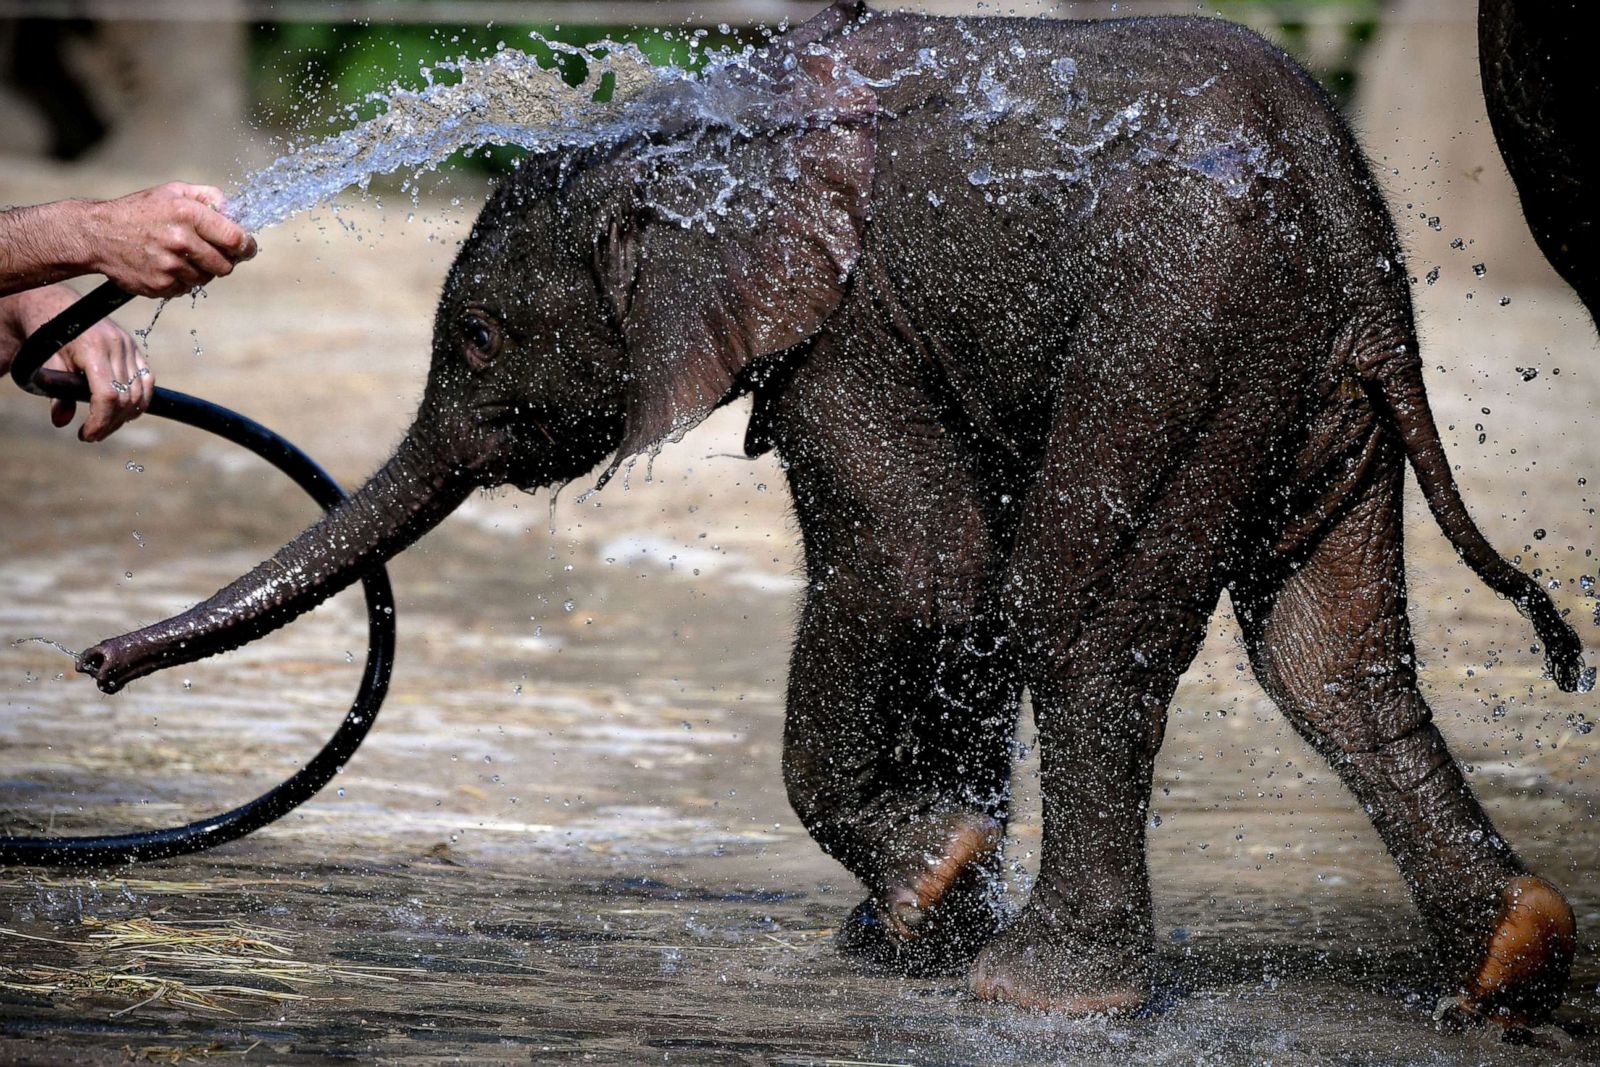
[
  {"x": 902, "y": 689},
  {"x": 1332, "y": 646}
]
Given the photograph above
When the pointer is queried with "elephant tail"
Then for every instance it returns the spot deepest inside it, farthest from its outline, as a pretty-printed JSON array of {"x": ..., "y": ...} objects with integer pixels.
[{"x": 1393, "y": 382}]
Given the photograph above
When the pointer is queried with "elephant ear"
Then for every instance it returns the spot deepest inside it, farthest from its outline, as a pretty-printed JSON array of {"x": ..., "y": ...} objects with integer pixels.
[{"x": 738, "y": 239}]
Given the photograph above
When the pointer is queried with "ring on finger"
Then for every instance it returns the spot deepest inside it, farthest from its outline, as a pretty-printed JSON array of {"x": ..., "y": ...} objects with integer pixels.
[
  {"x": 142, "y": 372},
  {"x": 122, "y": 387}
]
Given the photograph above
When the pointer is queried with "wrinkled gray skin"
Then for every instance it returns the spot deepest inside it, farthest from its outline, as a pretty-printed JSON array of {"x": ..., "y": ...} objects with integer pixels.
[
  {"x": 1541, "y": 84},
  {"x": 1061, "y": 330}
]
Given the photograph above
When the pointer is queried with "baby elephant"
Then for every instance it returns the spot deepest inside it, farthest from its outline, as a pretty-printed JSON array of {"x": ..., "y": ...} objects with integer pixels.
[{"x": 1060, "y": 329}]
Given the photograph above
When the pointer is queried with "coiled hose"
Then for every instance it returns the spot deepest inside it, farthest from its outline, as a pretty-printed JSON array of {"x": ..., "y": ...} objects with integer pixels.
[{"x": 116, "y": 849}]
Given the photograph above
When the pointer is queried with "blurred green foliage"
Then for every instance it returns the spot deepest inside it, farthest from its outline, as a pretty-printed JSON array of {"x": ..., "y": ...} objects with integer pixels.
[
  {"x": 1326, "y": 36},
  {"x": 310, "y": 79}
]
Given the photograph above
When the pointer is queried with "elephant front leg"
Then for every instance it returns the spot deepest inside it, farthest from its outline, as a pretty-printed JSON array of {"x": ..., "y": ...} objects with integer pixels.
[
  {"x": 903, "y": 691},
  {"x": 897, "y": 758}
]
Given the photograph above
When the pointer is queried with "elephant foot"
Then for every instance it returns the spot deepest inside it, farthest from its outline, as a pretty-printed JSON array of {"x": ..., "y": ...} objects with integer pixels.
[
  {"x": 944, "y": 853},
  {"x": 964, "y": 920},
  {"x": 1523, "y": 973},
  {"x": 1033, "y": 965}
]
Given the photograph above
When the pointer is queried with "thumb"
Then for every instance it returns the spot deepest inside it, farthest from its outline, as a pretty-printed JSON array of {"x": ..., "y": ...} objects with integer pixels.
[{"x": 61, "y": 412}]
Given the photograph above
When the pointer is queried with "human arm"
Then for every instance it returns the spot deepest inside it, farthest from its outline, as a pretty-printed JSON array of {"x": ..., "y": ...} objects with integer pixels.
[{"x": 158, "y": 242}]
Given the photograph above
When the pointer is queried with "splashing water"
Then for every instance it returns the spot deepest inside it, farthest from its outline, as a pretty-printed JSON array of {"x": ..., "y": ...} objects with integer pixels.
[
  {"x": 509, "y": 98},
  {"x": 506, "y": 98}
]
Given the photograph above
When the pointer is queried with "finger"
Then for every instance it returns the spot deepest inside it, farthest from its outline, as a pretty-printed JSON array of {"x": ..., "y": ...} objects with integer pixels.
[
  {"x": 122, "y": 385},
  {"x": 102, "y": 397},
  {"x": 156, "y": 286},
  {"x": 211, "y": 261},
  {"x": 185, "y": 276},
  {"x": 133, "y": 401},
  {"x": 137, "y": 397},
  {"x": 144, "y": 383},
  {"x": 225, "y": 234},
  {"x": 62, "y": 412}
]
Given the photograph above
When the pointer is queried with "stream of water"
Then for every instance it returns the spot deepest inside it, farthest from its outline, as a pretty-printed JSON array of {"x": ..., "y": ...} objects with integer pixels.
[{"x": 506, "y": 98}]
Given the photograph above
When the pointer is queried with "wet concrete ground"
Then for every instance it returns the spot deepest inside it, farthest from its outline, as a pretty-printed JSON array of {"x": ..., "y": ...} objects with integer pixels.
[{"x": 566, "y": 838}]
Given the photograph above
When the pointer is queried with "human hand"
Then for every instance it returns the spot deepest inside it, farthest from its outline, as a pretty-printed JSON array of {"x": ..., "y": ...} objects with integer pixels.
[
  {"x": 120, "y": 382},
  {"x": 164, "y": 241}
]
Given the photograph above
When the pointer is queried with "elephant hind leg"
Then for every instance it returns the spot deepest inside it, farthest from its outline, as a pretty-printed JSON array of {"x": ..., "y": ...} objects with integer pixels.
[{"x": 1331, "y": 644}]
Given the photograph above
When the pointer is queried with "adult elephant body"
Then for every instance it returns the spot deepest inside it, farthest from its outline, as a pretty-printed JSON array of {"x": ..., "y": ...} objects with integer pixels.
[
  {"x": 1540, "y": 84},
  {"x": 1061, "y": 329}
]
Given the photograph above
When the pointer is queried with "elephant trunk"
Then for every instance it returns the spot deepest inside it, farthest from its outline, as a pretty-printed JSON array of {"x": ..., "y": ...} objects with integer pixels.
[{"x": 410, "y": 495}]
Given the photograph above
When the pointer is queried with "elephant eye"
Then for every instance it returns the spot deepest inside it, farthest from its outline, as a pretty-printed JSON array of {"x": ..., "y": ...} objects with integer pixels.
[{"x": 482, "y": 338}]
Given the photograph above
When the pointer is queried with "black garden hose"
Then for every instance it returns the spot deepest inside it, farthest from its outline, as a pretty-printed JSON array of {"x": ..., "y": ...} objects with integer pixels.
[{"x": 115, "y": 849}]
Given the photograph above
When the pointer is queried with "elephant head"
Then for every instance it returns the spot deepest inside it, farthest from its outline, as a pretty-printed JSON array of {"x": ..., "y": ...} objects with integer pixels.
[{"x": 607, "y": 298}]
